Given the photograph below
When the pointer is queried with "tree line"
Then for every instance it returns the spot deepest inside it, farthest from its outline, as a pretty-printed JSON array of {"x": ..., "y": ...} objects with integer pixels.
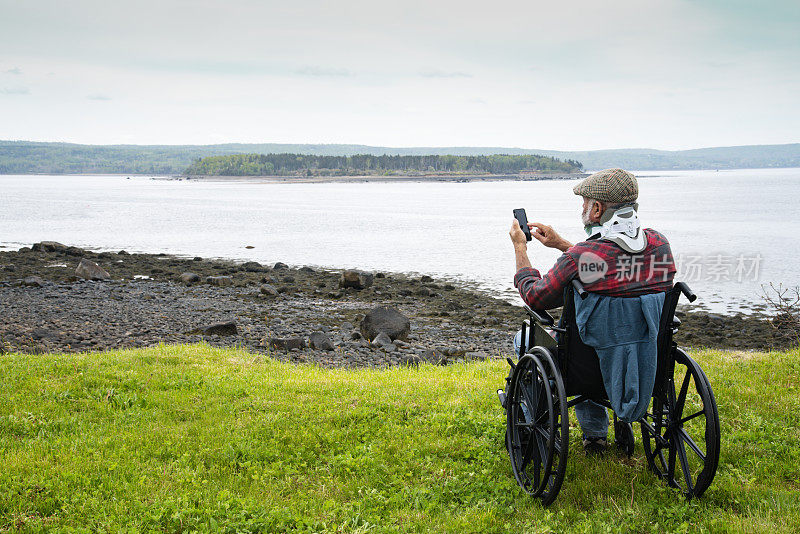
[{"x": 314, "y": 165}]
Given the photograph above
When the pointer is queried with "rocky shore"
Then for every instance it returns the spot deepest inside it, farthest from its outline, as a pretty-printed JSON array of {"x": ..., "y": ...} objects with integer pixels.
[{"x": 55, "y": 298}]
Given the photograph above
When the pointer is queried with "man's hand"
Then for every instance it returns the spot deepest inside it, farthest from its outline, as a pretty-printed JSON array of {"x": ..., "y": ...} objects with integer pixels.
[
  {"x": 547, "y": 236},
  {"x": 518, "y": 236},
  {"x": 520, "y": 245}
]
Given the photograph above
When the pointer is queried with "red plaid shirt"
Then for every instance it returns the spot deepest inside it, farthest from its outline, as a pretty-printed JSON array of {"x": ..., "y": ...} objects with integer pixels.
[{"x": 627, "y": 275}]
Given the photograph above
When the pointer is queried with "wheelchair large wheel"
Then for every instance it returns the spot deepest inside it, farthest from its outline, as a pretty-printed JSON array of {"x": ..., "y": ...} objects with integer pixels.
[
  {"x": 537, "y": 426},
  {"x": 681, "y": 434}
]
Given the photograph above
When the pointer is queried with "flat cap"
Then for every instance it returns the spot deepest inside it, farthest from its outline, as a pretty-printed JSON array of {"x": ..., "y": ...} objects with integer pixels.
[{"x": 610, "y": 185}]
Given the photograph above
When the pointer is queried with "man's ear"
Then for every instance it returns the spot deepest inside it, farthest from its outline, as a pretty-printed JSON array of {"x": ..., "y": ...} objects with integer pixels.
[{"x": 597, "y": 210}]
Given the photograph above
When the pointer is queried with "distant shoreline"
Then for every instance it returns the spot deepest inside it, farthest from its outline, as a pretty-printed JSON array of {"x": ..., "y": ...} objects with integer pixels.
[{"x": 383, "y": 179}]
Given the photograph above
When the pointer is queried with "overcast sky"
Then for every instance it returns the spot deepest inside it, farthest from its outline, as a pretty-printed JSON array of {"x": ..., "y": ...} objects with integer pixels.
[{"x": 578, "y": 74}]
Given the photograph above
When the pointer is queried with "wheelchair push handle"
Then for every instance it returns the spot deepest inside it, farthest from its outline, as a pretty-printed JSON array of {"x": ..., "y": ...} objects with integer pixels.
[
  {"x": 579, "y": 288},
  {"x": 686, "y": 291}
]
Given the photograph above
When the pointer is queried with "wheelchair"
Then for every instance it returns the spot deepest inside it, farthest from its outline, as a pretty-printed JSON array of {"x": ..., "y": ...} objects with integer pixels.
[{"x": 680, "y": 430}]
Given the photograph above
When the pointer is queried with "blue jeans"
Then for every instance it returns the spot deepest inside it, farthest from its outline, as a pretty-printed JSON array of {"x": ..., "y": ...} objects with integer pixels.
[{"x": 592, "y": 417}]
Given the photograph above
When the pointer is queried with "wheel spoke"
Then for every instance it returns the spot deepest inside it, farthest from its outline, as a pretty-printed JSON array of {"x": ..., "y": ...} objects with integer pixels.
[
  {"x": 689, "y": 418},
  {"x": 687, "y": 473},
  {"x": 692, "y": 445},
  {"x": 684, "y": 389},
  {"x": 532, "y": 406}
]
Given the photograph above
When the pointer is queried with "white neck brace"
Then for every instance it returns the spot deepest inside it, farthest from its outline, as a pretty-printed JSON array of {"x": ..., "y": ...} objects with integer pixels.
[{"x": 624, "y": 229}]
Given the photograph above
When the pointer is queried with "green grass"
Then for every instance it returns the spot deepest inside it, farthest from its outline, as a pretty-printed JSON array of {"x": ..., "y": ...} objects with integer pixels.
[{"x": 192, "y": 438}]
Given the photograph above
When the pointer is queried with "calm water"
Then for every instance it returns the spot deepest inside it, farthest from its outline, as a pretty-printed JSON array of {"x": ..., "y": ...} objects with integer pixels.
[{"x": 719, "y": 223}]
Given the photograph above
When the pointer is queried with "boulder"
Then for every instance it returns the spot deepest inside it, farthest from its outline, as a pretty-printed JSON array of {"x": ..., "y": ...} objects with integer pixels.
[
  {"x": 253, "y": 267},
  {"x": 221, "y": 281},
  {"x": 55, "y": 246},
  {"x": 425, "y": 279},
  {"x": 321, "y": 341},
  {"x": 49, "y": 246},
  {"x": 280, "y": 265},
  {"x": 190, "y": 278},
  {"x": 91, "y": 271},
  {"x": 197, "y": 258},
  {"x": 387, "y": 320},
  {"x": 123, "y": 253},
  {"x": 306, "y": 269},
  {"x": 355, "y": 279},
  {"x": 269, "y": 290},
  {"x": 220, "y": 329},
  {"x": 33, "y": 281},
  {"x": 287, "y": 343}
]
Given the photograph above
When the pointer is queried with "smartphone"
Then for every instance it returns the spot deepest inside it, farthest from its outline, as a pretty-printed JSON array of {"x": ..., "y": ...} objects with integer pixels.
[{"x": 522, "y": 219}]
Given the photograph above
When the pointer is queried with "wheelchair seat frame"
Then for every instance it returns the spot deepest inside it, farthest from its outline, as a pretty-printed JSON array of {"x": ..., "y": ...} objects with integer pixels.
[{"x": 680, "y": 431}]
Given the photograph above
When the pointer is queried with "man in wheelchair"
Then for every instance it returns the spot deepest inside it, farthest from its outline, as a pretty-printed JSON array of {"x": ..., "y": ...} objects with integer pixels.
[{"x": 619, "y": 258}]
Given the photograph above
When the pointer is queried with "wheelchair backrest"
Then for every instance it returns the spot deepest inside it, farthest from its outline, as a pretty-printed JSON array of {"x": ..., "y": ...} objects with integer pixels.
[{"x": 579, "y": 363}]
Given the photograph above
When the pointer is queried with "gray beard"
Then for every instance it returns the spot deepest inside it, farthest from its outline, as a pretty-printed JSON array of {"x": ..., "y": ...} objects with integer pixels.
[{"x": 585, "y": 217}]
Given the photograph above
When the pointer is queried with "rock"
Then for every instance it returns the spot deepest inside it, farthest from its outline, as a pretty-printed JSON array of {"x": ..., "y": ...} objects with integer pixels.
[
  {"x": 55, "y": 246},
  {"x": 190, "y": 278},
  {"x": 355, "y": 279},
  {"x": 425, "y": 279},
  {"x": 476, "y": 356},
  {"x": 221, "y": 281},
  {"x": 355, "y": 334},
  {"x": 410, "y": 360},
  {"x": 380, "y": 275},
  {"x": 424, "y": 292},
  {"x": 91, "y": 271},
  {"x": 382, "y": 340},
  {"x": 10, "y": 267},
  {"x": 434, "y": 357},
  {"x": 197, "y": 258},
  {"x": 346, "y": 326},
  {"x": 305, "y": 269},
  {"x": 49, "y": 246},
  {"x": 280, "y": 265},
  {"x": 41, "y": 333},
  {"x": 33, "y": 281},
  {"x": 219, "y": 329},
  {"x": 287, "y": 343},
  {"x": 253, "y": 267},
  {"x": 123, "y": 253},
  {"x": 321, "y": 341},
  {"x": 385, "y": 319},
  {"x": 269, "y": 290},
  {"x": 249, "y": 246}
]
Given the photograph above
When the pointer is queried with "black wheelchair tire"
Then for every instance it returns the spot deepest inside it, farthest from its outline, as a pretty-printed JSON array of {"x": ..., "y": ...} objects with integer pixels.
[{"x": 692, "y": 452}]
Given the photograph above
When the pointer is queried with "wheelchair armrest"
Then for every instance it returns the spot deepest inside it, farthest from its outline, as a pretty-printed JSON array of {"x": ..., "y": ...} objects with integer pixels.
[
  {"x": 686, "y": 291},
  {"x": 540, "y": 316}
]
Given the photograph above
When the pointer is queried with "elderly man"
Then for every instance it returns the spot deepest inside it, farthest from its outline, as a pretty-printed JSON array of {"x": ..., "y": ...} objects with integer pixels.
[{"x": 628, "y": 261}]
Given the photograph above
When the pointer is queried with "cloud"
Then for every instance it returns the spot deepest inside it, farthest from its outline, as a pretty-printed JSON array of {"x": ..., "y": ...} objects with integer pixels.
[
  {"x": 98, "y": 97},
  {"x": 15, "y": 70},
  {"x": 443, "y": 74},
  {"x": 323, "y": 71},
  {"x": 18, "y": 90}
]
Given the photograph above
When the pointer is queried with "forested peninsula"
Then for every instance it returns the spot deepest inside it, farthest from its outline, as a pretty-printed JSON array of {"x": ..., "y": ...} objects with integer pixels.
[{"x": 385, "y": 165}]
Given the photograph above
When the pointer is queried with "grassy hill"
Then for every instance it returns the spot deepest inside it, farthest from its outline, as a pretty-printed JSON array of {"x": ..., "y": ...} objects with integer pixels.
[{"x": 191, "y": 438}]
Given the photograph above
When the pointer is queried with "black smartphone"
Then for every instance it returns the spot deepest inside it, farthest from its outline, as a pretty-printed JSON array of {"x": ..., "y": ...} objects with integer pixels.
[{"x": 522, "y": 219}]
